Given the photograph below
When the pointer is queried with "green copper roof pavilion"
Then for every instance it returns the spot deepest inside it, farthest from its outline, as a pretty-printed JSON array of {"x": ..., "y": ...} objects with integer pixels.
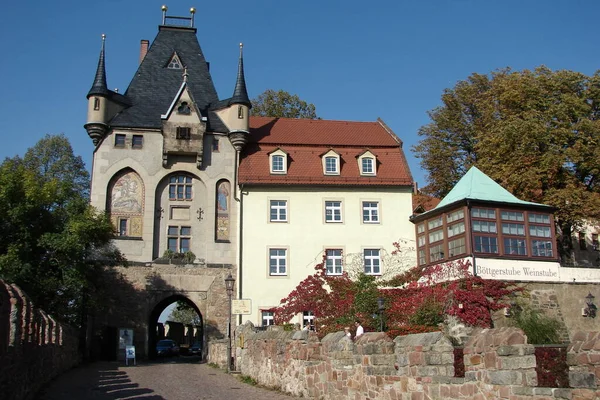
[{"x": 475, "y": 185}]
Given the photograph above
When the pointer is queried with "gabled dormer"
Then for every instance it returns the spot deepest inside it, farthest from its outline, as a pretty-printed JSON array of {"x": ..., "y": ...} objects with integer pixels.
[
  {"x": 331, "y": 163},
  {"x": 183, "y": 126},
  {"x": 367, "y": 163},
  {"x": 278, "y": 160}
]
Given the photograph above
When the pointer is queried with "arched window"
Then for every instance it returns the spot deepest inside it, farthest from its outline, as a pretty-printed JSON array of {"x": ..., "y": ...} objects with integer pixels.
[
  {"x": 223, "y": 197},
  {"x": 127, "y": 204}
]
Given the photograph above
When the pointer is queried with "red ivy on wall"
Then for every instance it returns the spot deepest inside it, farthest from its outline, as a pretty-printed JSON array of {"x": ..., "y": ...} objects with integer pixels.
[{"x": 415, "y": 301}]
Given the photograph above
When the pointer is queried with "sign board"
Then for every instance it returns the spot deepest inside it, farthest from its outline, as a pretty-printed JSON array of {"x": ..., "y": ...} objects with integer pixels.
[
  {"x": 242, "y": 306},
  {"x": 125, "y": 337},
  {"x": 130, "y": 355}
]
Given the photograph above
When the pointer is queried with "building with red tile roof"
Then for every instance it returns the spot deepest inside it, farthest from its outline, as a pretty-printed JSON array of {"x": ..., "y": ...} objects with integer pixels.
[{"x": 315, "y": 189}]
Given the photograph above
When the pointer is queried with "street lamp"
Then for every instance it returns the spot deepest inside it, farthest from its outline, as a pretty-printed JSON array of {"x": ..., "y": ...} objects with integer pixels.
[
  {"x": 381, "y": 308},
  {"x": 229, "y": 283}
]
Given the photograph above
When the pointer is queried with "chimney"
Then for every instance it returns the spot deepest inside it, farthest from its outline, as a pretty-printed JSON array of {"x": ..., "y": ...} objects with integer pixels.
[
  {"x": 415, "y": 187},
  {"x": 143, "y": 49}
]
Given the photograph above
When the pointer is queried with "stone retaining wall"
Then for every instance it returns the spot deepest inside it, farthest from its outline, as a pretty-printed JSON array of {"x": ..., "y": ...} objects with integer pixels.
[
  {"x": 34, "y": 348},
  {"x": 499, "y": 364}
]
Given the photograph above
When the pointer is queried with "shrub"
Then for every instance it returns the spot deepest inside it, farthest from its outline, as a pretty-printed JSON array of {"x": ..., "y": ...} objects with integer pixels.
[{"x": 538, "y": 327}]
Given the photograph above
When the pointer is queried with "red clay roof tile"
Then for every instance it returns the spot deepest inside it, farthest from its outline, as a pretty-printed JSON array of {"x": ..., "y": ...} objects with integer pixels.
[{"x": 305, "y": 140}]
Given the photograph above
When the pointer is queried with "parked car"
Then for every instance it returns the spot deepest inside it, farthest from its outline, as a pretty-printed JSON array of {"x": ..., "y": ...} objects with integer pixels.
[
  {"x": 167, "y": 347},
  {"x": 196, "y": 348}
]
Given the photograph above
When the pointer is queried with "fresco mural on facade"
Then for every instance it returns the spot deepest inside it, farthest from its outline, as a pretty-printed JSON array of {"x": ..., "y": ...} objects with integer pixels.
[{"x": 222, "y": 220}]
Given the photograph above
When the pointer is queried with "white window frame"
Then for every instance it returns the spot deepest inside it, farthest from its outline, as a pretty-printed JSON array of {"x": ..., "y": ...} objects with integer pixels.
[
  {"x": 328, "y": 156},
  {"x": 308, "y": 318},
  {"x": 275, "y": 155},
  {"x": 367, "y": 155},
  {"x": 335, "y": 260},
  {"x": 372, "y": 261},
  {"x": 336, "y": 209},
  {"x": 278, "y": 208},
  {"x": 268, "y": 316},
  {"x": 371, "y": 212},
  {"x": 278, "y": 258}
]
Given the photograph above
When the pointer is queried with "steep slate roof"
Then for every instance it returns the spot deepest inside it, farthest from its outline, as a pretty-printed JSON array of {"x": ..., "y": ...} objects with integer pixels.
[
  {"x": 475, "y": 185},
  {"x": 305, "y": 140},
  {"x": 154, "y": 86}
]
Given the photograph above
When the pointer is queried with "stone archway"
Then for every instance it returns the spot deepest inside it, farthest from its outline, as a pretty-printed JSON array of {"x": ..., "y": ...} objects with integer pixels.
[{"x": 153, "y": 324}]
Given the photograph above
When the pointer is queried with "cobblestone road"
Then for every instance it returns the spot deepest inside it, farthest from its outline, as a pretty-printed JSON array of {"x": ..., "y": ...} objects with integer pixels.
[{"x": 169, "y": 380}]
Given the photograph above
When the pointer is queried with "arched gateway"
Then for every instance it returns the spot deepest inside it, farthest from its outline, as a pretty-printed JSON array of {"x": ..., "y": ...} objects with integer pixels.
[{"x": 141, "y": 294}]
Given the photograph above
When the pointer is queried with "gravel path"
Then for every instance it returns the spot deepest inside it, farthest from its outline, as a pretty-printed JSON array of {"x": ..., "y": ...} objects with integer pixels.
[{"x": 170, "y": 380}]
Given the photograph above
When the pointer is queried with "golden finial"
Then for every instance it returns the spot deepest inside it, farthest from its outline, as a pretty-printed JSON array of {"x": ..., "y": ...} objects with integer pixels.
[
  {"x": 164, "y": 8},
  {"x": 193, "y": 10},
  {"x": 103, "y": 37}
]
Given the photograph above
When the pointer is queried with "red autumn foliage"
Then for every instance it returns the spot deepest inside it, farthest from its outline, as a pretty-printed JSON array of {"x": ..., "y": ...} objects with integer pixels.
[{"x": 415, "y": 301}]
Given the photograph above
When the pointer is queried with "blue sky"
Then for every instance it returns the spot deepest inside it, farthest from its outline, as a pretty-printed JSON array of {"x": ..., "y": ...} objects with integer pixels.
[{"x": 353, "y": 60}]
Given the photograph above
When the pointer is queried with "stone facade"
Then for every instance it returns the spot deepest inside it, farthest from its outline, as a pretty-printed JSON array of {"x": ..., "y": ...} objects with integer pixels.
[
  {"x": 142, "y": 292},
  {"x": 34, "y": 348},
  {"x": 499, "y": 364}
]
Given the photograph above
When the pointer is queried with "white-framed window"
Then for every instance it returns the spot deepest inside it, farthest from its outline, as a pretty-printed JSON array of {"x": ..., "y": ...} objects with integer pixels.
[
  {"x": 180, "y": 187},
  {"x": 278, "y": 164},
  {"x": 333, "y": 211},
  {"x": 278, "y": 161},
  {"x": 334, "y": 262},
  {"x": 179, "y": 238},
  {"x": 514, "y": 246},
  {"x": 513, "y": 229},
  {"x": 539, "y": 218},
  {"x": 541, "y": 231},
  {"x": 367, "y": 163},
  {"x": 421, "y": 227},
  {"x": 331, "y": 165},
  {"x": 267, "y": 317},
  {"x": 372, "y": 261},
  {"x": 308, "y": 320},
  {"x": 484, "y": 226},
  {"x": 277, "y": 262},
  {"x": 486, "y": 244},
  {"x": 422, "y": 259},
  {"x": 278, "y": 211},
  {"x": 370, "y": 211}
]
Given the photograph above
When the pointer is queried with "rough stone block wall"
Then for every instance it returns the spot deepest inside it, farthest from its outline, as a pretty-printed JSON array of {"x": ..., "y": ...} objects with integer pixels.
[
  {"x": 499, "y": 364},
  {"x": 34, "y": 347},
  {"x": 583, "y": 358}
]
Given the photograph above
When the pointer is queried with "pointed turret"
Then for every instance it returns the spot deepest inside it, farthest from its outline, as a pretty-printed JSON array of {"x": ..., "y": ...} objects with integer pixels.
[
  {"x": 240, "y": 94},
  {"x": 103, "y": 104},
  {"x": 99, "y": 86},
  {"x": 239, "y": 126}
]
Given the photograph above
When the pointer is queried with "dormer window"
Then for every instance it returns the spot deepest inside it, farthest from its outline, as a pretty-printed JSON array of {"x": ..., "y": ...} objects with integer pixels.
[
  {"x": 174, "y": 63},
  {"x": 278, "y": 161},
  {"x": 367, "y": 163},
  {"x": 331, "y": 163}
]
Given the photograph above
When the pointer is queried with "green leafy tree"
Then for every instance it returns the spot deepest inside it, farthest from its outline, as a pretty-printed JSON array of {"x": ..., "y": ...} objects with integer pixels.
[
  {"x": 184, "y": 314},
  {"x": 53, "y": 244},
  {"x": 282, "y": 104},
  {"x": 534, "y": 132}
]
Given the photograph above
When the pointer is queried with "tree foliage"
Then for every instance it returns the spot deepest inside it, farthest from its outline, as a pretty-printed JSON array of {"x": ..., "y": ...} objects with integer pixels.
[
  {"x": 184, "y": 314},
  {"x": 52, "y": 243},
  {"x": 534, "y": 132},
  {"x": 282, "y": 104}
]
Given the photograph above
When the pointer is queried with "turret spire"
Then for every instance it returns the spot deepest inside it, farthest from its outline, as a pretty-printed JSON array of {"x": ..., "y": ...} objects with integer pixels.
[
  {"x": 99, "y": 86},
  {"x": 240, "y": 94}
]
